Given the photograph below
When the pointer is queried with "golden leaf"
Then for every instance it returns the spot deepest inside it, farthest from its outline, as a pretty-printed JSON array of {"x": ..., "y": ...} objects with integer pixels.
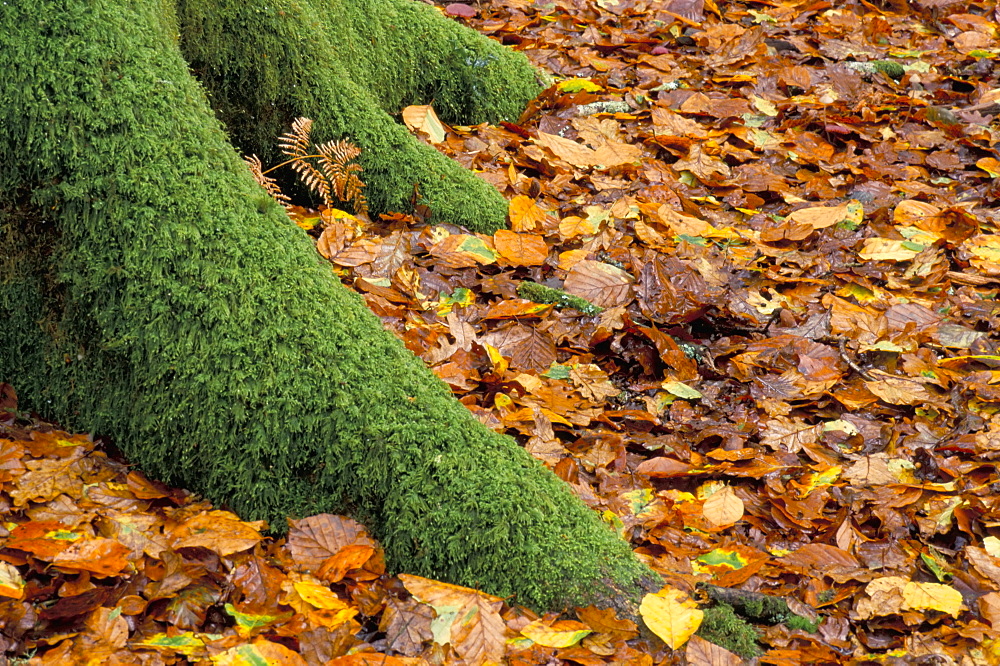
[{"x": 671, "y": 616}]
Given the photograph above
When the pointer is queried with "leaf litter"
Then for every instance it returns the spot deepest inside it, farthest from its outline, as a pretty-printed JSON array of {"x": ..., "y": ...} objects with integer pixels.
[{"x": 784, "y": 215}]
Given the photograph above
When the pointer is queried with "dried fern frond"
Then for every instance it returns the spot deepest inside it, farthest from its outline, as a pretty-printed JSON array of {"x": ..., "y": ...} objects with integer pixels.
[
  {"x": 334, "y": 159},
  {"x": 314, "y": 179},
  {"x": 265, "y": 181},
  {"x": 296, "y": 143},
  {"x": 336, "y": 178}
]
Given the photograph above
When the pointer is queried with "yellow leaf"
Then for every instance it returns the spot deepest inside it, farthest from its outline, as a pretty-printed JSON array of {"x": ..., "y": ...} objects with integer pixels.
[
  {"x": 669, "y": 617},
  {"x": 821, "y": 217},
  {"x": 723, "y": 507},
  {"x": 561, "y": 634},
  {"x": 578, "y": 85},
  {"x": 893, "y": 594},
  {"x": 933, "y": 596},
  {"x": 318, "y": 596},
  {"x": 984, "y": 251}
]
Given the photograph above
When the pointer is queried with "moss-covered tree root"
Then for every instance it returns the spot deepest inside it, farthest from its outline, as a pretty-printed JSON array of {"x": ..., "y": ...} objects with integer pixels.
[
  {"x": 728, "y": 621},
  {"x": 152, "y": 292},
  {"x": 348, "y": 64}
]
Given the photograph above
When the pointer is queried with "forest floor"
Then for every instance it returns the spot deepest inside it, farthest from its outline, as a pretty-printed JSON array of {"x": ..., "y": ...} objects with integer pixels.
[{"x": 786, "y": 216}]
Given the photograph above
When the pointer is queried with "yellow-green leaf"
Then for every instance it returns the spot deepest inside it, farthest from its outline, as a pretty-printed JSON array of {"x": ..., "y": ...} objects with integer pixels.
[
  {"x": 681, "y": 390},
  {"x": 578, "y": 85}
]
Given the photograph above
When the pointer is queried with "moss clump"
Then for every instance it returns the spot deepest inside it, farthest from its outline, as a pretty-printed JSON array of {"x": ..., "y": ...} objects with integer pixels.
[
  {"x": 537, "y": 293},
  {"x": 728, "y": 621},
  {"x": 890, "y": 68},
  {"x": 722, "y": 626},
  {"x": 348, "y": 65},
  {"x": 760, "y": 608},
  {"x": 156, "y": 296},
  {"x": 800, "y": 623}
]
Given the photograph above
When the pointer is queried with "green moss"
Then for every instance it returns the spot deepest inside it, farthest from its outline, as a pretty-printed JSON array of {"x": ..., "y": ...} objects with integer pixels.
[
  {"x": 537, "y": 293},
  {"x": 150, "y": 297},
  {"x": 348, "y": 65},
  {"x": 722, "y": 626},
  {"x": 800, "y": 623},
  {"x": 890, "y": 68}
]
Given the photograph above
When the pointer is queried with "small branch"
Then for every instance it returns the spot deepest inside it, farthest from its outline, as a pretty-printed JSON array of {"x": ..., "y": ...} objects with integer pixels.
[{"x": 854, "y": 366}]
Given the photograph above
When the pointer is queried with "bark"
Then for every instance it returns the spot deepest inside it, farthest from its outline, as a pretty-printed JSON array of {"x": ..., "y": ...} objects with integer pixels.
[{"x": 152, "y": 292}]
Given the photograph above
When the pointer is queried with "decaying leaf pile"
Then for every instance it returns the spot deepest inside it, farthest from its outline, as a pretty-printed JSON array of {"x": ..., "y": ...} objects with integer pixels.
[{"x": 786, "y": 214}]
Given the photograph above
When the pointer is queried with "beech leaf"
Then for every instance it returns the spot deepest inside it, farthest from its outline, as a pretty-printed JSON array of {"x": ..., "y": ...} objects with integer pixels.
[{"x": 671, "y": 616}]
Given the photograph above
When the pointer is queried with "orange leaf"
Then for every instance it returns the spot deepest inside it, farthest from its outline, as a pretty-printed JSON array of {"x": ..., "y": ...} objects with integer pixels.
[
  {"x": 219, "y": 531},
  {"x": 261, "y": 651},
  {"x": 569, "y": 151},
  {"x": 350, "y": 557},
  {"x": 437, "y": 593},
  {"x": 521, "y": 249},
  {"x": 560, "y": 634},
  {"x": 525, "y": 215},
  {"x": 104, "y": 557}
]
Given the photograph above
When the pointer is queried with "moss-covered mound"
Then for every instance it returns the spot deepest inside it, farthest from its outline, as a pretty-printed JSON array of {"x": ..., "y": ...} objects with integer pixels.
[
  {"x": 152, "y": 292},
  {"x": 348, "y": 64}
]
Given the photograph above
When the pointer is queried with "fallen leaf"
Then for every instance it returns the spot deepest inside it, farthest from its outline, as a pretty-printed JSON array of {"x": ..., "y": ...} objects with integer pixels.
[
  {"x": 602, "y": 284},
  {"x": 559, "y": 634},
  {"x": 671, "y": 616},
  {"x": 723, "y": 507},
  {"x": 422, "y": 119}
]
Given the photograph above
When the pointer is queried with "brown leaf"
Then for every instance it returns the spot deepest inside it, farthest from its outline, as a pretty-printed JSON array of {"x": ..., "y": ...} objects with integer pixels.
[
  {"x": 407, "y": 625},
  {"x": 700, "y": 652},
  {"x": 602, "y": 284},
  {"x": 314, "y": 539},
  {"x": 663, "y": 468},
  {"x": 703, "y": 166},
  {"x": 46, "y": 479}
]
